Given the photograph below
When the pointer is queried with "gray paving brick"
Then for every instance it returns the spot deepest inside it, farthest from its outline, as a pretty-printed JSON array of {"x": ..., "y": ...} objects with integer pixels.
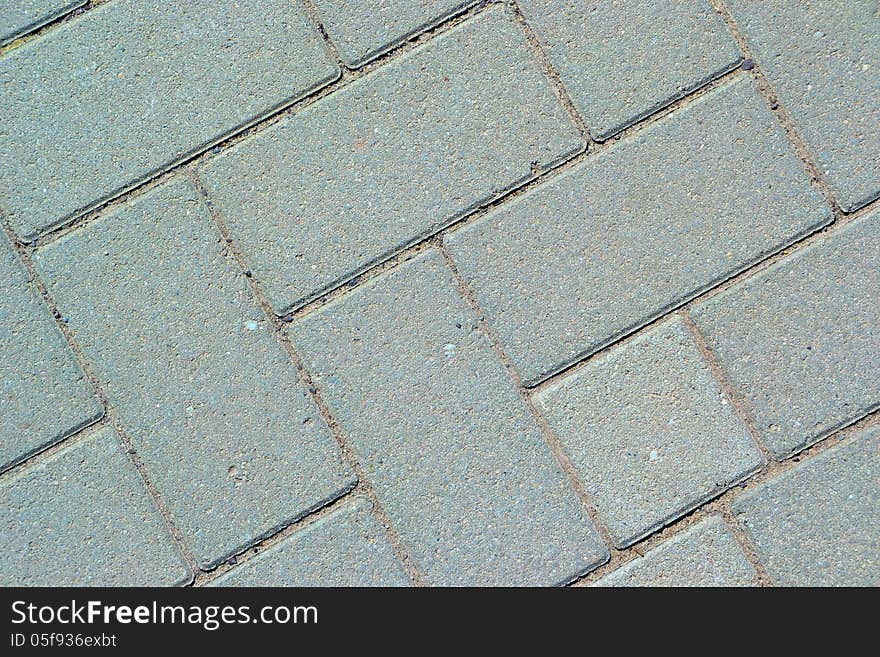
[
  {"x": 212, "y": 403},
  {"x": 390, "y": 159},
  {"x": 344, "y": 548},
  {"x": 18, "y": 17},
  {"x": 649, "y": 431},
  {"x": 44, "y": 395},
  {"x": 622, "y": 60},
  {"x": 637, "y": 230},
  {"x": 132, "y": 87},
  {"x": 363, "y": 29},
  {"x": 800, "y": 342},
  {"x": 819, "y": 523},
  {"x": 703, "y": 555},
  {"x": 83, "y": 517},
  {"x": 455, "y": 458},
  {"x": 823, "y": 60}
]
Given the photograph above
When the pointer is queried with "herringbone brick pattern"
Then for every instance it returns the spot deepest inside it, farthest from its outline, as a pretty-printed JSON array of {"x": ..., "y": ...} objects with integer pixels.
[{"x": 529, "y": 292}]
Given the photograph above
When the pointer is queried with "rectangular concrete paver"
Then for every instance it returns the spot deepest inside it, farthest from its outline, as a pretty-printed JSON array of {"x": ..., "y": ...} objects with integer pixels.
[
  {"x": 44, "y": 395},
  {"x": 817, "y": 524},
  {"x": 649, "y": 431},
  {"x": 129, "y": 88},
  {"x": 390, "y": 159},
  {"x": 209, "y": 397},
  {"x": 83, "y": 517},
  {"x": 800, "y": 342},
  {"x": 18, "y": 17},
  {"x": 611, "y": 244},
  {"x": 344, "y": 548},
  {"x": 621, "y": 60},
  {"x": 703, "y": 555},
  {"x": 823, "y": 60},
  {"x": 363, "y": 29},
  {"x": 457, "y": 461}
]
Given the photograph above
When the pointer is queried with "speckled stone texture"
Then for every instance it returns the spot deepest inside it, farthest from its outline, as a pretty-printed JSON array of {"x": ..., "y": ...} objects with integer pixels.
[
  {"x": 18, "y": 17},
  {"x": 44, "y": 395},
  {"x": 213, "y": 405},
  {"x": 823, "y": 60},
  {"x": 456, "y": 459},
  {"x": 817, "y": 524},
  {"x": 314, "y": 255},
  {"x": 649, "y": 431},
  {"x": 83, "y": 517},
  {"x": 613, "y": 243},
  {"x": 801, "y": 341},
  {"x": 621, "y": 60},
  {"x": 132, "y": 87},
  {"x": 390, "y": 159},
  {"x": 705, "y": 554},
  {"x": 363, "y": 29},
  {"x": 347, "y": 547}
]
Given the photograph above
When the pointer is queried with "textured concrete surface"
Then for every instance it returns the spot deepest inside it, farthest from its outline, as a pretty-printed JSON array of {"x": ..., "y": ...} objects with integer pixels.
[
  {"x": 83, "y": 517},
  {"x": 131, "y": 87},
  {"x": 637, "y": 230},
  {"x": 44, "y": 395},
  {"x": 18, "y": 17},
  {"x": 817, "y": 524},
  {"x": 305, "y": 254},
  {"x": 801, "y": 341},
  {"x": 213, "y": 405},
  {"x": 621, "y": 60},
  {"x": 347, "y": 547},
  {"x": 456, "y": 459},
  {"x": 650, "y": 432},
  {"x": 363, "y": 29},
  {"x": 706, "y": 554},
  {"x": 823, "y": 59},
  {"x": 390, "y": 159}
]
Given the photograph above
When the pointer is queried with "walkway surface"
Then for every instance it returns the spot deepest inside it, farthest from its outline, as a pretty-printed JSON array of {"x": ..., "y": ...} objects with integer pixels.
[{"x": 440, "y": 292}]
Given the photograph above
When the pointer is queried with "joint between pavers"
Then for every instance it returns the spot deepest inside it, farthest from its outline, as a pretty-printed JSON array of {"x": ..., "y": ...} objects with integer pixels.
[
  {"x": 553, "y": 76},
  {"x": 109, "y": 415},
  {"x": 512, "y": 191},
  {"x": 622, "y": 556},
  {"x": 845, "y": 425},
  {"x": 119, "y": 196},
  {"x": 747, "y": 546},
  {"x": 70, "y": 436},
  {"x": 85, "y": 426},
  {"x": 204, "y": 152},
  {"x": 37, "y": 29},
  {"x": 313, "y": 16},
  {"x": 553, "y": 443},
  {"x": 685, "y": 303},
  {"x": 393, "y": 257},
  {"x": 415, "y": 36},
  {"x": 721, "y": 505},
  {"x": 271, "y": 535},
  {"x": 519, "y": 188},
  {"x": 426, "y": 242},
  {"x": 37, "y": 457},
  {"x": 253, "y": 550},
  {"x": 277, "y": 324},
  {"x": 800, "y": 146},
  {"x": 727, "y": 389}
]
